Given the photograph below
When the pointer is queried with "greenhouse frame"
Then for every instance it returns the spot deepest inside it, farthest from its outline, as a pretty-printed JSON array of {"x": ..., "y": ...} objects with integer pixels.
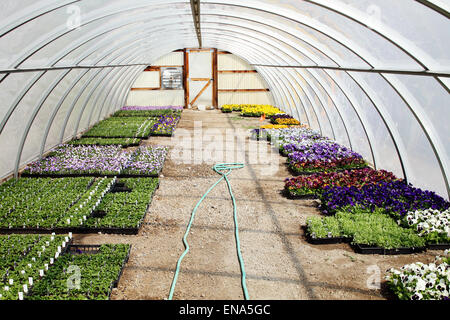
[{"x": 371, "y": 75}]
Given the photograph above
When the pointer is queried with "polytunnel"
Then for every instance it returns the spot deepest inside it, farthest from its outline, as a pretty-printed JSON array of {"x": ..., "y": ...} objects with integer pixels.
[
  {"x": 377, "y": 71},
  {"x": 373, "y": 75}
]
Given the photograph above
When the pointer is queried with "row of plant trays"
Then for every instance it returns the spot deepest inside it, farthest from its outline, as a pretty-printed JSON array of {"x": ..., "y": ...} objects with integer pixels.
[
  {"x": 291, "y": 196},
  {"x": 369, "y": 249},
  {"x": 78, "y": 175},
  {"x": 86, "y": 230},
  {"x": 309, "y": 173},
  {"x": 118, "y": 137},
  {"x": 94, "y": 249}
]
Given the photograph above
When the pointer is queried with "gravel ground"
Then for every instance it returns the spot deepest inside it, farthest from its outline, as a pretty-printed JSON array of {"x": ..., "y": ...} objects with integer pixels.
[{"x": 280, "y": 264}]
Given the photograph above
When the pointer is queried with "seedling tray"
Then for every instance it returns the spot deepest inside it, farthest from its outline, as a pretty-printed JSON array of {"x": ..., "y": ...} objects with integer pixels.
[
  {"x": 439, "y": 246},
  {"x": 331, "y": 240},
  {"x": 118, "y": 137},
  {"x": 94, "y": 249},
  {"x": 82, "y": 230},
  {"x": 309, "y": 173},
  {"x": 77, "y": 175},
  {"x": 368, "y": 249}
]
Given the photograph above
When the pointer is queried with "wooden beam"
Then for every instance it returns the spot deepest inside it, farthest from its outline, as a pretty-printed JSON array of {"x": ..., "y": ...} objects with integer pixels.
[
  {"x": 201, "y": 91},
  {"x": 215, "y": 94},
  {"x": 152, "y": 68},
  {"x": 243, "y": 90},
  {"x": 237, "y": 71},
  {"x": 144, "y": 89},
  {"x": 223, "y": 52},
  {"x": 186, "y": 75},
  {"x": 199, "y": 79}
]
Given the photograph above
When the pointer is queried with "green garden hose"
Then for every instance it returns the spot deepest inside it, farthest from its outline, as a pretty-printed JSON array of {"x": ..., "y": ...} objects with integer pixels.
[{"x": 223, "y": 169}]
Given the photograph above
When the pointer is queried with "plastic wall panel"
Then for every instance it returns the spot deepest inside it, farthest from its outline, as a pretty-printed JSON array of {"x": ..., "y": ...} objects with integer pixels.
[
  {"x": 58, "y": 123},
  {"x": 33, "y": 142},
  {"x": 352, "y": 122},
  {"x": 380, "y": 48},
  {"x": 241, "y": 81},
  {"x": 156, "y": 98},
  {"x": 317, "y": 106},
  {"x": 87, "y": 100},
  {"x": 245, "y": 98},
  {"x": 67, "y": 84},
  {"x": 171, "y": 59},
  {"x": 328, "y": 103},
  {"x": 231, "y": 62},
  {"x": 13, "y": 9},
  {"x": 419, "y": 152},
  {"x": 435, "y": 101},
  {"x": 308, "y": 114},
  {"x": 301, "y": 30},
  {"x": 148, "y": 79},
  {"x": 73, "y": 115},
  {"x": 10, "y": 89},
  {"x": 367, "y": 114},
  {"x": 424, "y": 27},
  {"x": 13, "y": 131}
]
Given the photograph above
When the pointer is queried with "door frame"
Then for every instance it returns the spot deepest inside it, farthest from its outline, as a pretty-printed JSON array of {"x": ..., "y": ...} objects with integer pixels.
[{"x": 213, "y": 80}]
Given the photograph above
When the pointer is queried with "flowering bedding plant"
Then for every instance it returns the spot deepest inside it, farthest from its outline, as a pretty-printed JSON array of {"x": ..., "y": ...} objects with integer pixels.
[
  {"x": 165, "y": 125},
  {"x": 273, "y": 126},
  {"x": 419, "y": 281},
  {"x": 433, "y": 225},
  {"x": 68, "y": 159},
  {"x": 146, "y": 161},
  {"x": 315, "y": 184},
  {"x": 277, "y": 116},
  {"x": 394, "y": 197},
  {"x": 324, "y": 156},
  {"x": 259, "y": 110},
  {"x": 289, "y": 122},
  {"x": 227, "y": 108},
  {"x": 100, "y": 160},
  {"x": 146, "y": 108},
  {"x": 291, "y": 135}
]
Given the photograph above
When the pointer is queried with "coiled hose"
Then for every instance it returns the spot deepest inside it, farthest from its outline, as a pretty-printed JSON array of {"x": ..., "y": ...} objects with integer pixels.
[{"x": 223, "y": 169}]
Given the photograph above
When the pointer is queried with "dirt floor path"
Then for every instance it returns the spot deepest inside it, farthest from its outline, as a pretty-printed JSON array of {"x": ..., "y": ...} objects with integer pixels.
[{"x": 280, "y": 264}]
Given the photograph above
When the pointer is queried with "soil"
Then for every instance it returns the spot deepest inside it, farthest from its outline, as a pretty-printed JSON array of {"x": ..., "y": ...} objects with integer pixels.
[{"x": 279, "y": 262}]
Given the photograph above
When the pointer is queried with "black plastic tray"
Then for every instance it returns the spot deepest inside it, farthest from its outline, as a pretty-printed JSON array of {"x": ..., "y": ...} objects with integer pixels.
[
  {"x": 98, "y": 175},
  {"x": 94, "y": 249},
  {"x": 332, "y": 240},
  {"x": 306, "y": 173},
  {"x": 368, "y": 249},
  {"x": 440, "y": 246},
  {"x": 82, "y": 230}
]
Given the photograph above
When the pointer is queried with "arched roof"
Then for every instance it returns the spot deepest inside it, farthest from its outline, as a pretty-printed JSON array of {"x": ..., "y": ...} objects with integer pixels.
[{"x": 373, "y": 75}]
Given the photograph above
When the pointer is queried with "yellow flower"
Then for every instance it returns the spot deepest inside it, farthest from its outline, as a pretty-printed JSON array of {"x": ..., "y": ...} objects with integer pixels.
[
  {"x": 287, "y": 121},
  {"x": 274, "y": 126}
]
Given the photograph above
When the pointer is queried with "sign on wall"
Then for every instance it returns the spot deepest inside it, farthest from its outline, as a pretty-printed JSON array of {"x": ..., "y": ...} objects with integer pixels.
[{"x": 171, "y": 78}]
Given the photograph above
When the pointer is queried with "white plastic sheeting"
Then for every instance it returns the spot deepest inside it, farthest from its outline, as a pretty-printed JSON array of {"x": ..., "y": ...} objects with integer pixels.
[{"x": 373, "y": 75}]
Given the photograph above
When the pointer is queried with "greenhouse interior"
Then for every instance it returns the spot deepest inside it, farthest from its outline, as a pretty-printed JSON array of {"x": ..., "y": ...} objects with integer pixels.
[{"x": 225, "y": 150}]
